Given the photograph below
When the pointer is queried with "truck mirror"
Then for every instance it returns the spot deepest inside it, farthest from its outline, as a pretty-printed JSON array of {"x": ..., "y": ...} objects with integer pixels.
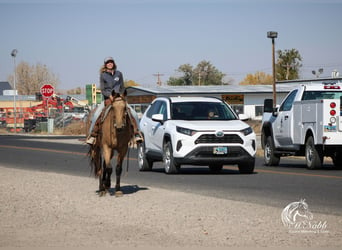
[{"x": 268, "y": 105}]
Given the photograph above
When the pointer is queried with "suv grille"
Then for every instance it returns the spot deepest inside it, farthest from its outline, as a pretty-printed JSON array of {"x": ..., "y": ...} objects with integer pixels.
[{"x": 214, "y": 139}]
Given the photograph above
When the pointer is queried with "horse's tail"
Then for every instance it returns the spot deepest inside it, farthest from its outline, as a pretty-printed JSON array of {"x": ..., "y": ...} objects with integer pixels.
[{"x": 94, "y": 155}]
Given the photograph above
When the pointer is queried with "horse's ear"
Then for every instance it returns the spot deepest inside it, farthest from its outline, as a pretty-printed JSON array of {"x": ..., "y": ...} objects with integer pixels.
[
  {"x": 113, "y": 92},
  {"x": 125, "y": 93}
]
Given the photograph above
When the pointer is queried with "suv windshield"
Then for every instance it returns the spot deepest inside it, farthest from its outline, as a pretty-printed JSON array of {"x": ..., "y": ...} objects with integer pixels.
[{"x": 201, "y": 111}]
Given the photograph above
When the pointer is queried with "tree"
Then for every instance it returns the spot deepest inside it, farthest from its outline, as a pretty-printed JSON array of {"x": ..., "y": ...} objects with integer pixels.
[
  {"x": 76, "y": 91},
  {"x": 187, "y": 71},
  {"x": 130, "y": 83},
  {"x": 258, "y": 78},
  {"x": 30, "y": 78},
  {"x": 204, "y": 74},
  {"x": 288, "y": 64}
]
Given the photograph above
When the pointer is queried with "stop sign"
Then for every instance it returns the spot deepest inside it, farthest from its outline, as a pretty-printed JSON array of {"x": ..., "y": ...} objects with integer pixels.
[{"x": 47, "y": 90}]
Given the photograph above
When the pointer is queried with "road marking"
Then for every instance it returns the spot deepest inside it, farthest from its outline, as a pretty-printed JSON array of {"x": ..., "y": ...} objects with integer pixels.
[
  {"x": 43, "y": 149},
  {"x": 225, "y": 167},
  {"x": 50, "y": 150},
  {"x": 287, "y": 173}
]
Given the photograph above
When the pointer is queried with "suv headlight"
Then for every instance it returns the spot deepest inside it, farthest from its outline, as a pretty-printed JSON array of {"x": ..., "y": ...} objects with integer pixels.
[
  {"x": 186, "y": 131},
  {"x": 247, "y": 131}
]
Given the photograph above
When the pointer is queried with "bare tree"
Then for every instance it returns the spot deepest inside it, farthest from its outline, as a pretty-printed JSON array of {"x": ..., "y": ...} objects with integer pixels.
[
  {"x": 30, "y": 78},
  {"x": 259, "y": 78}
]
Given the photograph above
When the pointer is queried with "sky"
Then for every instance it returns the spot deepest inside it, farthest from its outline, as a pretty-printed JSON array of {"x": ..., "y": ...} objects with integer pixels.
[{"x": 150, "y": 37}]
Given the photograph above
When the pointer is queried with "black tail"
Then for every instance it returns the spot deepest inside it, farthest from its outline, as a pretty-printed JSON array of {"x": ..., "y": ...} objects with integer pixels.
[{"x": 94, "y": 154}]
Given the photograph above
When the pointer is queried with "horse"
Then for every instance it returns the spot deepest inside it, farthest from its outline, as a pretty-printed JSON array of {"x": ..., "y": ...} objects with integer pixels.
[
  {"x": 295, "y": 212},
  {"x": 115, "y": 135}
]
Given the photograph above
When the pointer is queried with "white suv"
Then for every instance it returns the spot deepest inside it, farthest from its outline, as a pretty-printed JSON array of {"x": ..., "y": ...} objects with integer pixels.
[{"x": 195, "y": 131}]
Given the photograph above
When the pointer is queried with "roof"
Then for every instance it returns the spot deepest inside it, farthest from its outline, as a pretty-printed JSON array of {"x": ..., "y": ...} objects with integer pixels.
[
  {"x": 4, "y": 86},
  {"x": 193, "y": 98},
  {"x": 216, "y": 89},
  {"x": 281, "y": 87}
]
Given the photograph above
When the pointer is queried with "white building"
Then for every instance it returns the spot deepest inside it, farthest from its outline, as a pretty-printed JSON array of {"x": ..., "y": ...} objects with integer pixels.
[{"x": 248, "y": 99}]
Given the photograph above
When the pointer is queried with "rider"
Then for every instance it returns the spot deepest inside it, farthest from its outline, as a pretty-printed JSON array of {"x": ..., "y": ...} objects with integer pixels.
[{"x": 110, "y": 79}]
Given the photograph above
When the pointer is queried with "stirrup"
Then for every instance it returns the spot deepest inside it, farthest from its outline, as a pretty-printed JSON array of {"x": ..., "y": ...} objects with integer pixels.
[
  {"x": 138, "y": 138},
  {"x": 91, "y": 140}
]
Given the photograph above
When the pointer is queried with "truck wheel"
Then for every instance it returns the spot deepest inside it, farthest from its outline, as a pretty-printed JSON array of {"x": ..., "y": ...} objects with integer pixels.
[
  {"x": 169, "y": 163},
  {"x": 270, "y": 158},
  {"x": 337, "y": 160},
  {"x": 144, "y": 163},
  {"x": 313, "y": 154},
  {"x": 247, "y": 167}
]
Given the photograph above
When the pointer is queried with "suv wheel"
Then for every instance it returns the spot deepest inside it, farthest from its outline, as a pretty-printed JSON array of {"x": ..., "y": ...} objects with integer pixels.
[
  {"x": 270, "y": 158},
  {"x": 247, "y": 167},
  {"x": 215, "y": 167},
  {"x": 144, "y": 163},
  {"x": 169, "y": 163},
  {"x": 337, "y": 160}
]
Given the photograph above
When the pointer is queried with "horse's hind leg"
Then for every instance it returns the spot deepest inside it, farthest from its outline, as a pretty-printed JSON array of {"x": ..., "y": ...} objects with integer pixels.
[{"x": 102, "y": 190}]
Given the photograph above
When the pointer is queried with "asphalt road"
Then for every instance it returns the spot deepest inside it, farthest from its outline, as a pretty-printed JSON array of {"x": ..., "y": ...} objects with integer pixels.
[{"x": 274, "y": 186}]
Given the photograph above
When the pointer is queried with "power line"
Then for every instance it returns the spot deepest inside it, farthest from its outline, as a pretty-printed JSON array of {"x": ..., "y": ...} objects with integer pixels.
[{"x": 158, "y": 75}]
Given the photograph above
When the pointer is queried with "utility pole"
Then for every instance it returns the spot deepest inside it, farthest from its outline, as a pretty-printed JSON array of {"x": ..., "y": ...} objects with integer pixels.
[
  {"x": 199, "y": 78},
  {"x": 158, "y": 75}
]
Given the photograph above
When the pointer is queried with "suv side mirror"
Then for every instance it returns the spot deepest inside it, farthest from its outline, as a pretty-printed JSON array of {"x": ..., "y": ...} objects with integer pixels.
[
  {"x": 158, "y": 118},
  {"x": 243, "y": 117}
]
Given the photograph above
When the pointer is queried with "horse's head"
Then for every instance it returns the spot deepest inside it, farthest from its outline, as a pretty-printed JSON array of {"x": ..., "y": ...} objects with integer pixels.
[
  {"x": 295, "y": 212},
  {"x": 119, "y": 105},
  {"x": 303, "y": 210}
]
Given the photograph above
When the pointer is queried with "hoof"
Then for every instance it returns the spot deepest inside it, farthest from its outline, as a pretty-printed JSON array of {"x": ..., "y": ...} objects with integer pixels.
[
  {"x": 102, "y": 193},
  {"x": 118, "y": 194}
]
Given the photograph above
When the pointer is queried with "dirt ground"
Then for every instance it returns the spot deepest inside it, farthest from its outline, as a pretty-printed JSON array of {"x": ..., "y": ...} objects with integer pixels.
[{"x": 41, "y": 209}]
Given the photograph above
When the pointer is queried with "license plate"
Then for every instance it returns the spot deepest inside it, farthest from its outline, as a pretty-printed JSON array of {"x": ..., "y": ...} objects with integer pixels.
[{"x": 220, "y": 150}]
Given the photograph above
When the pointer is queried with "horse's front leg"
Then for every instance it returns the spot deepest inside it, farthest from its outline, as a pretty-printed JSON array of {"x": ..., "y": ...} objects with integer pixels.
[
  {"x": 107, "y": 170},
  {"x": 118, "y": 171}
]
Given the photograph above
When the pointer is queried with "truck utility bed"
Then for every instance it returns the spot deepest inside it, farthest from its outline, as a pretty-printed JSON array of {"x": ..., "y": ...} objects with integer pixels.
[{"x": 315, "y": 115}]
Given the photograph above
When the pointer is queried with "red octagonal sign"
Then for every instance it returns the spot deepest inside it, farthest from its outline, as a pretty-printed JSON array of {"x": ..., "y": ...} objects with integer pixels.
[{"x": 47, "y": 90}]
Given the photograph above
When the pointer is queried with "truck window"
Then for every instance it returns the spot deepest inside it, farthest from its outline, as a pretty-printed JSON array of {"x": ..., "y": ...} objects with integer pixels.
[
  {"x": 287, "y": 104},
  {"x": 316, "y": 95}
]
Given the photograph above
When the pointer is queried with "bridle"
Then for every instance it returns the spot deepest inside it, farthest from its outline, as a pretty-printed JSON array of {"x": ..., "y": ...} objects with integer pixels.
[{"x": 117, "y": 99}]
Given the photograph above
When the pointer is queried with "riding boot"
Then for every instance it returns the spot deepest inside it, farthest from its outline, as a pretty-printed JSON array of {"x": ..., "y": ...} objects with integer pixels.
[
  {"x": 137, "y": 135},
  {"x": 93, "y": 135},
  {"x": 91, "y": 140}
]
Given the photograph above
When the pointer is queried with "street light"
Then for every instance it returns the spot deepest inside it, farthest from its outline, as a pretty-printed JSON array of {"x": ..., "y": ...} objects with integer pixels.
[
  {"x": 273, "y": 35},
  {"x": 14, "y": 54},
  {"x": 318, "y": 73}
]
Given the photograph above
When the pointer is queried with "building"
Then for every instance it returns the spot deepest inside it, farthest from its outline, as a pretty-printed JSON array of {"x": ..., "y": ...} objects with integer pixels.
[
  {"x": 5, "y": 87},
  {"x": 245, "y": 99}
]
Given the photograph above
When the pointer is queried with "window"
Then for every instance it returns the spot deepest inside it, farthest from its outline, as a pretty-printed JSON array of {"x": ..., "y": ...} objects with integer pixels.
[
  {"x": 153, "y": 109},
  {"x": 239, "y": 109},
  {"x": 258, "y": 110},
  {"x": 314, "y": 95},
  {"x": 158, "y": 107},
  {"x": 287, "y": 104}
]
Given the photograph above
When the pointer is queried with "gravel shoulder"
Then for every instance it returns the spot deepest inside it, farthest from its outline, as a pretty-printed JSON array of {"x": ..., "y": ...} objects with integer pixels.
[{"x": 41, "y": 209}]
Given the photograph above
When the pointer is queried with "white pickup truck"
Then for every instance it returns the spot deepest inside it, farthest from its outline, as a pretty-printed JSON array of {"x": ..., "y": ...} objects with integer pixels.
[{"x": 307, "y": 123}]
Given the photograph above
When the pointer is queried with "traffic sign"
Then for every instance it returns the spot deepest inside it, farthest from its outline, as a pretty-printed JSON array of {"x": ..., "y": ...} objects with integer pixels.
[{"x": 47, "y": 90}]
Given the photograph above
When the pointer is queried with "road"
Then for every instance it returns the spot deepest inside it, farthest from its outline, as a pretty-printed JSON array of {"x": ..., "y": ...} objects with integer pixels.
[{"x": 273, "y": 186}]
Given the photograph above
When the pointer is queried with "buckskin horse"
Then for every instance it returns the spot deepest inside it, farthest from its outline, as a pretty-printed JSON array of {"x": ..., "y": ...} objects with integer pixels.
[{"x": 116, "y": 133}]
